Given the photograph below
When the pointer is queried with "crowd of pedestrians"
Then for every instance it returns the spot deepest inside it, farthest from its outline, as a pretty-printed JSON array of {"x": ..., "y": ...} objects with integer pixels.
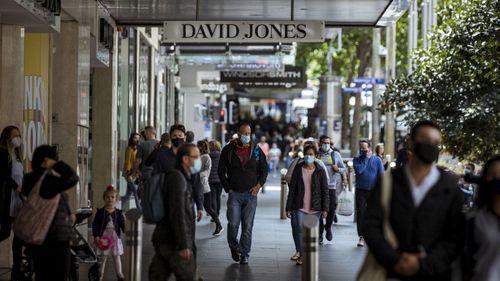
[{"x": 409, "y": 214}]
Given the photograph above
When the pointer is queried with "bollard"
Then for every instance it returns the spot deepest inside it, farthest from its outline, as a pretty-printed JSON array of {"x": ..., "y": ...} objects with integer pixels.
[
  {"x": 310, "y": 234},
  {"x": 284, "y": 191},
  {"x": 133, "y": 245}
]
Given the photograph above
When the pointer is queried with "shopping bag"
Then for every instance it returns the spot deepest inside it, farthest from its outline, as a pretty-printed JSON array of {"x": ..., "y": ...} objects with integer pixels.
[
  {"x": 36, "y": 216},
  {"x": 346, "y": 203}
]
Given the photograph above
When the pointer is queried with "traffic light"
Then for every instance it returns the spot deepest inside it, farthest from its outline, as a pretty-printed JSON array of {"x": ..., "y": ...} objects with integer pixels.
[
  {"x": 222, "y": 115},
  {"x": 234, "y": 112},
  {"x": 218, "y": 114}
]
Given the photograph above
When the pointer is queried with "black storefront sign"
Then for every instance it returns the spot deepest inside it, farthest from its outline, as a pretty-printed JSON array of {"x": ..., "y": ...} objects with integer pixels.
[{"x": 291, "y": 77}]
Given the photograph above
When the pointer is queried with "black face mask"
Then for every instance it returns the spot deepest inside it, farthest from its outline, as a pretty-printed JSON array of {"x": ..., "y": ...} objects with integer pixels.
[
  {"x": 427, "y": 153},
  {"x": 177, "y": 142}
]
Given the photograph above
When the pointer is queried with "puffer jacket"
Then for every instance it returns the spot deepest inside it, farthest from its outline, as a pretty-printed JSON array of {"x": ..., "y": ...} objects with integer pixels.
[
  {"x": 319, "y": 190},
  {"x": 214, "y": 176}
]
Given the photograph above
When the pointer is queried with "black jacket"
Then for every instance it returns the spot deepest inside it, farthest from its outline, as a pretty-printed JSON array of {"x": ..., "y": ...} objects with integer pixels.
[
  {"x": 437, "y": 225},
  {"x": 214, "y": 173},
  {"x": 320, "y": 200},
  {"x": 101, "y": 219},
  {"x": 176, "y": 229},
  {"x": 61, "y": 229},
  {"x": 234, "y": 176},
  {"x": 7, "y": 184}
]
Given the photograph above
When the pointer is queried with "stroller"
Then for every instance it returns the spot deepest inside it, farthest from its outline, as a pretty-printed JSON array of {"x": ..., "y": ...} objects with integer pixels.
[{"x": 81, "y": 250}]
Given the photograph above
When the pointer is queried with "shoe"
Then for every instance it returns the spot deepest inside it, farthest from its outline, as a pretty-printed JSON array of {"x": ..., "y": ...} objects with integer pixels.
[
  {"x": 218, "y": 230},
  {"x": 235, "y": 255},
  {"x": 295, "y": 257},
  {"x": 321, "y": 240},
  {"x": 335, "y": 219},
  {"x": 361, "y": 242},
  {"x": 243, "y": 260},
  {"x": 299, "y": 261},
  {"x": 329, "y": 235}
]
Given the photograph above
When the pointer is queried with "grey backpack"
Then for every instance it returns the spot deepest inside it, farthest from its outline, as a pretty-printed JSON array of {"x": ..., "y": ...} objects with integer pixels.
[{"x": 153, "y": 208}]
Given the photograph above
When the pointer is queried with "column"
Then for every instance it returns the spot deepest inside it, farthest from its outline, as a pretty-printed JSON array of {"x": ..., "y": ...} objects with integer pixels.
[
  {"x": 375, "y": 94},
  {"x": 390, "y": 74}
]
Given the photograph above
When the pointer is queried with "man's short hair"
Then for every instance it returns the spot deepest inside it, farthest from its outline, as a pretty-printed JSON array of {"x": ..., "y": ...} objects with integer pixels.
[
  {"x": 244, "y": 124},
  {"x": 365, "y": 141},
  {"x": 323, "y": 137},
  {"x": 189, "y": 136},
  {"x": 178, "y": 127},
  {"x": 420, "y": 124}
]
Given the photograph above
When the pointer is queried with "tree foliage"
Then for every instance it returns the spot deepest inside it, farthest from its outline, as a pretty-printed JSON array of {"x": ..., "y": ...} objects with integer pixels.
[{"x": 456, "y": 80}]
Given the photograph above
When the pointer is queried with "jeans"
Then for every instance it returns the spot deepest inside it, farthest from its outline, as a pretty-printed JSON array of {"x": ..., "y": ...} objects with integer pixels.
[
  {"x": 216, "y": 191},
  {"x": 297, "y": 221},
  {"x": 361, "y": 197},
  {"x": 131, "y": 190},
  {"x": 241, "y": 208},
  {"x": 332, "y": 193},
  {"x": 167, "y": 262}
]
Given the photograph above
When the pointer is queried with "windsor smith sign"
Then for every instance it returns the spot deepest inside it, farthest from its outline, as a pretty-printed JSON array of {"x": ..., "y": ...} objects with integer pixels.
[
  {"x": 241, "y": 32},
  {"x": 291, "y": 77}
]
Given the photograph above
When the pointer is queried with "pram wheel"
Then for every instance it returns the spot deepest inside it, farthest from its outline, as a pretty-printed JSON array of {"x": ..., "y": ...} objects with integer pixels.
[{"x": 94, "y": 272}]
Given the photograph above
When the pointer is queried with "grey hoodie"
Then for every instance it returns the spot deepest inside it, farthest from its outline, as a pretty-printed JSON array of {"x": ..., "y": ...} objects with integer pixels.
[{"x": 331, "y": 158}]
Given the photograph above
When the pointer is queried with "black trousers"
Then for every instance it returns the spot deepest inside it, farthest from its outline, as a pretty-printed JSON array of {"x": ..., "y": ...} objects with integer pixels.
[
  {"x": 207, "y": 204},
  {"x": 52, "y": 261},
  {"x": 17, "y": 244},
  {"x": 216, "y": 191},
  {"x": 331, "y": 212},
  {"x": 361, "y": 197}
]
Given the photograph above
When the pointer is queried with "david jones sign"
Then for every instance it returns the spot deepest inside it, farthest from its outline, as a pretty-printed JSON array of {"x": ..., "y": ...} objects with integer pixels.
[{"x": 228, "y": 31}]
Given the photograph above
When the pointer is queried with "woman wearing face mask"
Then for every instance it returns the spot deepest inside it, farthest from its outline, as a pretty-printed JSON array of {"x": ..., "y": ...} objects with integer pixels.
[
  {"x": 11, "y": 176},
  {"x": 482, "y": 255},
  {"x": 308, "y": 194},
  {"x": 130, "y": 174},
  {"x": 173, "y": 237}
]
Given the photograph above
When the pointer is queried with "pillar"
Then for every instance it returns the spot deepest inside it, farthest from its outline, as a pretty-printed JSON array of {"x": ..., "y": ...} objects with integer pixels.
[
  {"x": 375, "y": 94},
  {"x": 390, "y": 74}
]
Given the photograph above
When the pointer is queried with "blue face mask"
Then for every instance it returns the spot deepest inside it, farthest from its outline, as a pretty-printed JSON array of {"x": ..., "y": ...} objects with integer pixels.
[
  {"x": 363, "y": 153},
  {"x": 245, "y": 139},
  {"x": 197, "y": 166},
  {"x": 325, "y": 147},
  {"x": 309, "y": 159}
]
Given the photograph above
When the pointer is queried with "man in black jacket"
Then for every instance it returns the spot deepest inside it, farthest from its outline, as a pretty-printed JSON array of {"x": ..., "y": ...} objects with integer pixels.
[
  {"x": 242, "y": 172},
  {"x": 425, "y": 214}
]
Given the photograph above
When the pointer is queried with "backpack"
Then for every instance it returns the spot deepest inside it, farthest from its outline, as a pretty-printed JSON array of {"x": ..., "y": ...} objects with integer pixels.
[{"x": 153, "y": 208}]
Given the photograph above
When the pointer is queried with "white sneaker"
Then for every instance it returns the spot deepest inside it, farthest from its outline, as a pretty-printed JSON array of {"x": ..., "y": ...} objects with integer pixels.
[
  {"x": 361, "y": 242},
  {"x": 295, "y": 257}
]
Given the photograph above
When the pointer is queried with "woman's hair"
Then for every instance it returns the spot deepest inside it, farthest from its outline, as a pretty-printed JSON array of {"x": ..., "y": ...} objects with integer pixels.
[
  {"x": 203, "y": 147},
  {"x": 184, "y": 150},
  {"x": 164, "y": 140},
  {"x": 485, "y": 195},
  {"x": 39, "y": 155},
  {"x": 378, "y": 147},
  {"x": 110, "y": 189},
  {"x": 215, "y": 145},
  {"x": 131, "y": 139},
  {"x": 5, "y": 141},
  {"x": 310, "y": 147}
]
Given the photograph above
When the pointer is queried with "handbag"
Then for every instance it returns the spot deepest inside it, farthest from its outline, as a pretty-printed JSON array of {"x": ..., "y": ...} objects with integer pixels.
[
  {"x": 371, "y": 270},
  {"x": 36, "y": 216},
  {"x": 105, "y": 242},
  {"x": 346, "y": 203}
]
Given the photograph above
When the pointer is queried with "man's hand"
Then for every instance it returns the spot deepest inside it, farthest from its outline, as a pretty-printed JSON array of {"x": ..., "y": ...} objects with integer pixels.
[
  {"x": 408, "y": 264},
  {"x": 335, "y": 168},
  {"x": 254, "y": 190},
  {"x": 185, "y": 253},
  {"x": 289, "y": 214},
  {"x": 199, "y": 216},
  {"x": 48, "y": 163}
]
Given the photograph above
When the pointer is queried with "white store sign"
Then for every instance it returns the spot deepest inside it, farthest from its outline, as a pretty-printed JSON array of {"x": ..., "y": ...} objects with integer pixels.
[{"x": 240, "y": 32}]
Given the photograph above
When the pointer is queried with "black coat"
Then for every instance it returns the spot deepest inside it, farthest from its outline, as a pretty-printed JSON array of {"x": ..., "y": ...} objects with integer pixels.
[
  {"x": 7, "y": 184},
  {"x": 319, "y": 190},
  {"x": 102, "y": 218},
  {"x": 176, "y": 229},
  {"x": 238, "y": 177},
  {"x": 437, "y": 225}
]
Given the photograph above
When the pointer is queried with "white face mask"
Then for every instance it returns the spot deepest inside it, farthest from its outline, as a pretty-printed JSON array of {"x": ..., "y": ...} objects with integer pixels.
[{"x": 16, "y": 142}]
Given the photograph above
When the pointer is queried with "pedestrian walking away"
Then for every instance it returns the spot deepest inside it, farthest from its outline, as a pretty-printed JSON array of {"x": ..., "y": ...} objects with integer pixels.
[
  {"x": 131, "y": 175},
  {"x": 108, "y": 224},
  {"x": 308, "y": 194},
  {"x": 243, "y": 172},
  {"x": 214, "y": 180}
]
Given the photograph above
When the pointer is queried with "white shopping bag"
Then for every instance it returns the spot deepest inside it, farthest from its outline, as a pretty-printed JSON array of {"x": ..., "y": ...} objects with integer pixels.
[{"x": 346, "y": 203}]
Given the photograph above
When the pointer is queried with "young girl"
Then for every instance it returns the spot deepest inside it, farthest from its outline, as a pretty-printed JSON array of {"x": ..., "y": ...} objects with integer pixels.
[{"x": 108, "y": 224}]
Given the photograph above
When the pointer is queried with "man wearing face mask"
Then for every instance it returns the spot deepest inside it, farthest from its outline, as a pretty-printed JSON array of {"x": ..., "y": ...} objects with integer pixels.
[
  {"x": 143, "y": 150},
  {"x": 165, "y": 162},
  {"x": 242, "y": 172},
  {"x": 425, "y": 214},
  {"x": 368, "y": 169}
]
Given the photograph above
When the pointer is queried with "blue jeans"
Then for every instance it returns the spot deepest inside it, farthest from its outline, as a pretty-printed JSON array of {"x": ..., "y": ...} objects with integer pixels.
[
  {"x": 297, "y": 221},
  {"x": 131, "y": 191},
  {"x": 240, "y": 209}
]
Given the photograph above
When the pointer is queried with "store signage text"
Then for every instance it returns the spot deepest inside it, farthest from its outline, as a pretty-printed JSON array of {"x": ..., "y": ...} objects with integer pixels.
[
  {"x": 34, "y": 127},
  {"x": 292, "y": 75},
  {"x": 228, "y": 31},
  {"x": 213, "y": 87}
]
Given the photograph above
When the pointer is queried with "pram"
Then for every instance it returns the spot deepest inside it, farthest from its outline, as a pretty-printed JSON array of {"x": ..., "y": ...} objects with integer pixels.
[{"x": 81, "y": 251}]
